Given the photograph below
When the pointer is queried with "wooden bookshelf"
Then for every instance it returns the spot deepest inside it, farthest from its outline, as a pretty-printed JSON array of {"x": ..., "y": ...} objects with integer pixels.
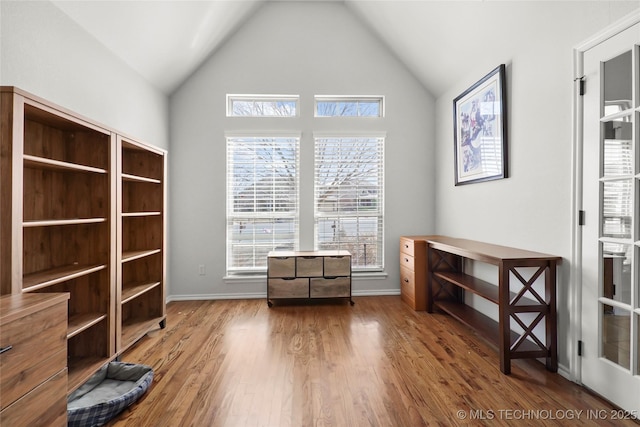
[
  {"x": 60, "y": 192},
  {"x": 141, "y": 220},
  {"x": 83, "y": 213}
]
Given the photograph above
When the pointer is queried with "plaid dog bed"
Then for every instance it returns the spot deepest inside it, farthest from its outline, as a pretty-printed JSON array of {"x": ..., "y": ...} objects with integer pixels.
[{"x": 107, "y": 393}]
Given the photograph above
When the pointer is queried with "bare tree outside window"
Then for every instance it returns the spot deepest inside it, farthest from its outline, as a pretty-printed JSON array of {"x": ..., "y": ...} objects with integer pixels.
[
  {"x": 349, "y": 198},
  {"x": 328, "y": 106},
  {"x": 262, "y": 106}
]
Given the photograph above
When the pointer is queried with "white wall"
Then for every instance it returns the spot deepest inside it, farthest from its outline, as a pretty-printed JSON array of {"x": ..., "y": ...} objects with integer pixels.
[
  {"x": 309, "y": 49},
  {"x": 46, "y": 53},
  {"x": 293, "y": 48},
  {"x": 532, "y": 208}
]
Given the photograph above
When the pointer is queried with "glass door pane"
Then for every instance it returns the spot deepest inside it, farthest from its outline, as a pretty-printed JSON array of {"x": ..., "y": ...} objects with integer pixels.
[
  {"x": 618, "y": 211},
  {"x": 618, "y": 83},
  {"x": 616, "y": 272},
  {"x": 616, "y": 338}
]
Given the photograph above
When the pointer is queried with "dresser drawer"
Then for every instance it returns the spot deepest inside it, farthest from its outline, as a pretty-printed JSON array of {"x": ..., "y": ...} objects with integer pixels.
[
  {"x": 309, "y": 266},
  {"x": 407, "y": 261},
  {"x": 45, "y": 406},
  {"x": 38, "y": 350},
  {"x": 330, "y": 288},
  {"x": 337, "y": 266},
  {"x": 284, "y": 266},
  {"x": 288, "y": 288}
]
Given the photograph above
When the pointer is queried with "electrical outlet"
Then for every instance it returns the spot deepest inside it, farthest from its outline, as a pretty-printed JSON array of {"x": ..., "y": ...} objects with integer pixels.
[{"x": 202, "y": 270}]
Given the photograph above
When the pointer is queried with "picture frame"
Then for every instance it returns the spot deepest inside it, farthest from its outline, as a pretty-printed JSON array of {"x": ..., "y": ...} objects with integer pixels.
[{"x": 480, "y": 130}]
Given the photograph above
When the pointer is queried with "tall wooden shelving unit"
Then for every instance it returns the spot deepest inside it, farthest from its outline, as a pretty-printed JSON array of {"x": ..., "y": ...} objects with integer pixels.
[
  {"x": 62, "y": 188},
  {"x": 65, "y": 215},
  {"x": 142, "y": 246}
]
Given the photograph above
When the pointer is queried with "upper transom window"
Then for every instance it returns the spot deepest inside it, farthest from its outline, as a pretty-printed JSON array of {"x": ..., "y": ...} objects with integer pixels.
[
  {"x": 349, "y": 106},
  {"x": 262, "y": 105}
]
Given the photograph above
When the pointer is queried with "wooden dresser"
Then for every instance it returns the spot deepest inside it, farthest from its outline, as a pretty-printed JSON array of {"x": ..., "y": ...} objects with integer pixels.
[{"x": 33, "y": 357}]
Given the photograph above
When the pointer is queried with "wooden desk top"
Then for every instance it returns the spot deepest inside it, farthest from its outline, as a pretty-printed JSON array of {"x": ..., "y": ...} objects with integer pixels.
[{"x": 486, "y": 252}]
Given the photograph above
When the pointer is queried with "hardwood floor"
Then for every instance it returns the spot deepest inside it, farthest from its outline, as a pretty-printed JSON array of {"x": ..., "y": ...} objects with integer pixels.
[{"x": 378, "y": 363}]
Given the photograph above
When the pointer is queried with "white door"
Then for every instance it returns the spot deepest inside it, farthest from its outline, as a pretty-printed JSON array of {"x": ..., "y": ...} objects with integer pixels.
[{"x": 611, "y": 234}]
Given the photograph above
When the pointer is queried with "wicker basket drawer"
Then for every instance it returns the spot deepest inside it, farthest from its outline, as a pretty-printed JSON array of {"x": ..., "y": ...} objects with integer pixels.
[
  {"x": 337, "y": 266},
  {"x": 288, "y": 288},
  {"x": 309, "y": 266},
  {"x": 284, "y": 266},
  {"x": 330, "y": 288}
]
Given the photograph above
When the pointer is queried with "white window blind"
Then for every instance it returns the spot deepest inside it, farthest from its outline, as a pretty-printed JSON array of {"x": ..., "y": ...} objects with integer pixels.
[
  {"x": 349, "y": 199},
  {"x": 262, "y": 199}
]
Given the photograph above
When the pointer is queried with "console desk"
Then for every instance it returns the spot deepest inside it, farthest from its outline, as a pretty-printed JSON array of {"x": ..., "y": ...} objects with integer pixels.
[{"x": 520, "y": 303}]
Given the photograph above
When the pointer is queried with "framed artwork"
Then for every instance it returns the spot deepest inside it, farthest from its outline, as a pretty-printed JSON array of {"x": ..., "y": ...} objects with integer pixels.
[{"x": 480, "y": 130}]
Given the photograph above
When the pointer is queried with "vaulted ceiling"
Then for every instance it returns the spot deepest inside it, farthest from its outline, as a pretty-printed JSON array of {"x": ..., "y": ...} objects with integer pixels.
[{"x": 165, "y": 41}]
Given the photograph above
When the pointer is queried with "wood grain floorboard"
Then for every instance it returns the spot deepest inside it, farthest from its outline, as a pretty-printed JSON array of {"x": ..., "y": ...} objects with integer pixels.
[{"x": 239, "y": 363}]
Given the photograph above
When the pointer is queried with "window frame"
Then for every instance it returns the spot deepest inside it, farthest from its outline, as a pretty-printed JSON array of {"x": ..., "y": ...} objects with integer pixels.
[
  {"x": 231, "y": 214},
  {"x": 231, "y": 98},
  {"x": 379, "y": 213},
  {"x": 349, "y": 98}
]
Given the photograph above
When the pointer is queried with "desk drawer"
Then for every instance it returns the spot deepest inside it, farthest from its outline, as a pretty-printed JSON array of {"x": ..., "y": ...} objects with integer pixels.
[
  {"x": 413, "y": 289},
  {"x": 407, "y": 246},
  {"x": 407, "y": 261},
  {"x": 407, "y": 283},
  {"x": 288, "y": 288},
  {"x": 39, "y": 350}
]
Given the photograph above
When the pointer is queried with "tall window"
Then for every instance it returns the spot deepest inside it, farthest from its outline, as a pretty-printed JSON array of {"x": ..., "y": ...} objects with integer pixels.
[
  {"x": 262, "y": 199},
  {"x": 264, "y": 182},
  {"x": 349, "y": 198}
]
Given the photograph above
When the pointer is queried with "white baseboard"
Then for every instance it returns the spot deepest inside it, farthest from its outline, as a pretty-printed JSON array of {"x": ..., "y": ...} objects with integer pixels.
[{"x": 566, "y": 373}]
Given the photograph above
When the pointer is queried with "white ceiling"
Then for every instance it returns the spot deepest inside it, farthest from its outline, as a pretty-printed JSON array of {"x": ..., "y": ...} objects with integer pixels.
[{"x": 166, "y": 40}]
